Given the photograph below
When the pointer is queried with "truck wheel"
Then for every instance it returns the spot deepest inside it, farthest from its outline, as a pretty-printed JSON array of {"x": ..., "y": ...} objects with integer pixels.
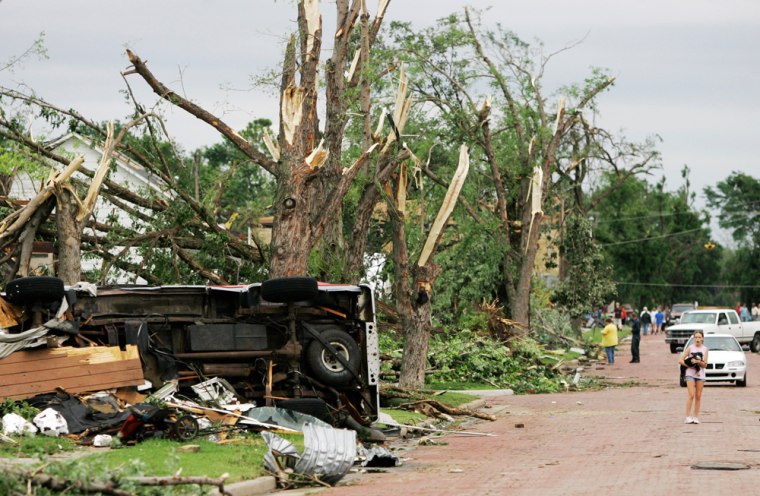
[
  {"x": 326, "y": 367},
  {"x": 674, "y": 347},
  {"x": 34, "y": 289},
  {"x": 754, "y": 345},
  {"x": 289, "y": 289},
  {"x": 743, "y": 382}
]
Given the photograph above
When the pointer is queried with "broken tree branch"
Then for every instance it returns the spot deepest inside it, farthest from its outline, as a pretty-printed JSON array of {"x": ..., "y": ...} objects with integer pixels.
[
  {"x": 450, "y": 410},
  {"x": 164, "y": 92}
]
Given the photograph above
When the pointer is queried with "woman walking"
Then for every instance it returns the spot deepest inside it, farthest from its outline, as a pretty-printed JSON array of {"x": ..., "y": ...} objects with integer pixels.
[{"x": 694, "y": 359}]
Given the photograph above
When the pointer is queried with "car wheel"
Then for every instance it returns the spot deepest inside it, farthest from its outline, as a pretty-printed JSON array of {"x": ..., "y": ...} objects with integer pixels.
[
  {"x": 325, "y": 366},
  {"x": 743, "y": 382},
  {"x": 674, "y": 347},
  {"x": 754, "y": 346},
  {"x": 35, "y": 289},
  {"x": 289, "y": 289}
]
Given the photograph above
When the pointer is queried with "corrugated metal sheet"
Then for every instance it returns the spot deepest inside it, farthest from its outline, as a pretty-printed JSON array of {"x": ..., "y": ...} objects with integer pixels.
[
  {"x": 10, "y": 343},
  {"x": 328, "y": 452}
]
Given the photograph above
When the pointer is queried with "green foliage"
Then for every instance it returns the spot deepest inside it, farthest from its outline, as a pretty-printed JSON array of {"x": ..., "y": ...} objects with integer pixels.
[
  {"x": 654, "y": 242},
  {"x": 468, "y": 356},
  {"x": 588, "y": 284},
  {"x": 21, "y": 408},
  {"x": 737, "y": 200}
]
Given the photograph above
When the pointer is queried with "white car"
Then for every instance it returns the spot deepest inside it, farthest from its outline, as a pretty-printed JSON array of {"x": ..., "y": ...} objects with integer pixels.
[{"x": 726, "y": 361}]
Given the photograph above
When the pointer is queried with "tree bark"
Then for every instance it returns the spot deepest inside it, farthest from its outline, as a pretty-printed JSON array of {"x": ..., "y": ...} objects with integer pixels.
[
  {"x": 416, "y": 320},
  {"x": 69, "y": 237}
]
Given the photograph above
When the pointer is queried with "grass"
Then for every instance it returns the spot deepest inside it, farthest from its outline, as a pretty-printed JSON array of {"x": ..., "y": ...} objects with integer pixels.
[
  {"x": 37, "y": 446},
  {"x": 241, "y": 457}
]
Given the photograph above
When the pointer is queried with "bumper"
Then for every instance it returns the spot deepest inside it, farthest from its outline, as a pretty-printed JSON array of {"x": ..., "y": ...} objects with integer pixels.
[{"x": 725, "y": 375}]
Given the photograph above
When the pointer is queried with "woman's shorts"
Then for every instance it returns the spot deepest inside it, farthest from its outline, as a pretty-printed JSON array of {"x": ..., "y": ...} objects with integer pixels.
[{"x": 695, "y": 379}]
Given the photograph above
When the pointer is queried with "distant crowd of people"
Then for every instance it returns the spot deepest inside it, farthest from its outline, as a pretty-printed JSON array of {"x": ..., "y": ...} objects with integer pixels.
[
  {"x": 746, "y": 314},
  {"x": 652, "y": 321},
  {"x": 644, "y": 322}
]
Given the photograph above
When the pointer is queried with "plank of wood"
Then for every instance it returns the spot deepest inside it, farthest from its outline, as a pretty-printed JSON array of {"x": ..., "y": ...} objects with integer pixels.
[{"x": 76, "y": 370}]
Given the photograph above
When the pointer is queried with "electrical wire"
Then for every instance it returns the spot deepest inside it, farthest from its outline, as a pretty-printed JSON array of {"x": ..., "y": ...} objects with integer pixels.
[
  {"x": 650, "y": 238},
  {"x": 670, "y": 285}
]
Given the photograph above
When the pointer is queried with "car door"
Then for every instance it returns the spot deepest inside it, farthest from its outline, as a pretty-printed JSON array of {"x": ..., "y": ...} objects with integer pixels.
[{"x": 728, "y": 323}]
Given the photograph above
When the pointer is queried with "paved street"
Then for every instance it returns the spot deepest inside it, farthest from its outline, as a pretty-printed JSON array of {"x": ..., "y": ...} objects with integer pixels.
[{"x": 627, "y": 440}]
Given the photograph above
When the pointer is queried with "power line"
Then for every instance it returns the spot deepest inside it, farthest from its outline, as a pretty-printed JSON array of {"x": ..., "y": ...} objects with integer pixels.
[
  {"x": 651, "y": 237},
  {"x": 670, "y": 285},
  {"x": 652, "y": 216}
]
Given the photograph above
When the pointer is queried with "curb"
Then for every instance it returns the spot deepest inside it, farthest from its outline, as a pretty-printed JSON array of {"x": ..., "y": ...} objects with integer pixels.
[{"x": 261, "y": 485}]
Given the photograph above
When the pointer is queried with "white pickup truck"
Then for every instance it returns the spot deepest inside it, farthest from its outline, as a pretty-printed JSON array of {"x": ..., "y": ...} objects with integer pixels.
[{"x": 713, "y": 321}]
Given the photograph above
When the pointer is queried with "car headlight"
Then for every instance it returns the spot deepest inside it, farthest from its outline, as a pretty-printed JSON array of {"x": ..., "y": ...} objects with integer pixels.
[{"x": 737, "y": 363}]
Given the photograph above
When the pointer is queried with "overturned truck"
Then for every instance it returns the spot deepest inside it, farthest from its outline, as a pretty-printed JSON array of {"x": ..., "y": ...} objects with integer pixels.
[{"x": 288, "y": 342}]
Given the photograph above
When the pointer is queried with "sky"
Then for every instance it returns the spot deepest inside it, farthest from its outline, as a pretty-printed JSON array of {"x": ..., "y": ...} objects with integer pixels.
[{"x": 686, "y": 70}]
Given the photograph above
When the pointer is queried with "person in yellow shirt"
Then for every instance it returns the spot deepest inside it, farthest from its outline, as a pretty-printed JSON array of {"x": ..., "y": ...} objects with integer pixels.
[{"x": 610, "y": 340}]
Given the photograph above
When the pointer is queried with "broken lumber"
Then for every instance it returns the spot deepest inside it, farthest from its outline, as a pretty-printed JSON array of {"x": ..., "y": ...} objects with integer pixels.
[{"x": 24, "y": 374}]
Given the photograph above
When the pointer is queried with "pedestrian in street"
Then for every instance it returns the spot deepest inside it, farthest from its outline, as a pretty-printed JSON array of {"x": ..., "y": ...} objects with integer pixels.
[
  {"x": 756, "y": 311},
  {"x": 646, "y": 321},
  {"x": 744, "y": 312},
  {"x": 610, "y": 340},
  {"x": 635, "y": 337},
  {"x": 618, "y": 312},
  {"x": 694, "y": 359},
  {"x": 659, "y": 318}
]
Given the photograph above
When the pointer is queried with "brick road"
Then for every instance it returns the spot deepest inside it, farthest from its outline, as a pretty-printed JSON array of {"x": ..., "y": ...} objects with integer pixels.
[{"x": 627, "y": 440}]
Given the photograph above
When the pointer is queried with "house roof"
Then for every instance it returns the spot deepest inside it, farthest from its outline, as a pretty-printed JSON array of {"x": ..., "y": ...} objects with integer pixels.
[{"x": 142, "y": 176}]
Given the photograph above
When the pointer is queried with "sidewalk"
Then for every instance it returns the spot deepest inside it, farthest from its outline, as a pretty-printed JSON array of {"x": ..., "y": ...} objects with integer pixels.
[{"x": 627, "y": 440}]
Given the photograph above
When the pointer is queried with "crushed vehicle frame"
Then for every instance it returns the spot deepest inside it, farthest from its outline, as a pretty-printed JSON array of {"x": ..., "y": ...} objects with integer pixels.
[{"x": 290, "y": 342}]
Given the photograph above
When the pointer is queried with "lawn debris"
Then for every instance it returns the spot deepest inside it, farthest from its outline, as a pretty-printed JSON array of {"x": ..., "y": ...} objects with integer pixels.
[{"x": 438, "y": 409}]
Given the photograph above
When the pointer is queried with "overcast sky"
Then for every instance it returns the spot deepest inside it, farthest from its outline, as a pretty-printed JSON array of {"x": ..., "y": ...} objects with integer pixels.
[{"x": 687, "y": 70}]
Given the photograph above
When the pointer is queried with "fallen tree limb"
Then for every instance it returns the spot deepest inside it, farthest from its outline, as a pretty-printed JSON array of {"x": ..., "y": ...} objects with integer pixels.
[
  {"x": 35, "y": 478},
  {"x": 449, "y": 409},
  {"x": 177, "y": 481},
  {"x": 60, "y": 484}
]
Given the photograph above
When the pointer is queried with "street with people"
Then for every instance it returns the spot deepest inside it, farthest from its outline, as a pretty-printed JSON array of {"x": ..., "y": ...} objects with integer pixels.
[{"x": 629, "y": 438}]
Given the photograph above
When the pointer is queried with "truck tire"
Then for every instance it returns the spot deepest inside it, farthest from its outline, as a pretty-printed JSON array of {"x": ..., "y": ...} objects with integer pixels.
[
  {"x": 289, "y": 289},
  {"x": 328, "y": 369},
  {"x": 34, "y": 289},
  {"x": 674, "y": 347},
  {"x": 743, "y": 382},
  {"x": 754, "y": 345}
]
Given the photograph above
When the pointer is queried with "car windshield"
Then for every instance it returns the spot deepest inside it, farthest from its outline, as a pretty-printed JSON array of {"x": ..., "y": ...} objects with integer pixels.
[
  {"x": 719, "y": 343},
  {"x": 698, "y": 318},
  {"x": 682, "y": 308}
]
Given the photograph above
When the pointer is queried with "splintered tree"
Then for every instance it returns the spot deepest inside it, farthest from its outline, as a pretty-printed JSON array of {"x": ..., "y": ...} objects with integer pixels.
[
  {"x": 521, "y": 140},
  {"x": 184, "y": 235},
  {"x": 308, "y": 162}
]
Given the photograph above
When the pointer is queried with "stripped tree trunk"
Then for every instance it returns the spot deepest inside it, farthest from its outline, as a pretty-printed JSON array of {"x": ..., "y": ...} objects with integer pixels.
[{"x": 414, "y": 287}]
